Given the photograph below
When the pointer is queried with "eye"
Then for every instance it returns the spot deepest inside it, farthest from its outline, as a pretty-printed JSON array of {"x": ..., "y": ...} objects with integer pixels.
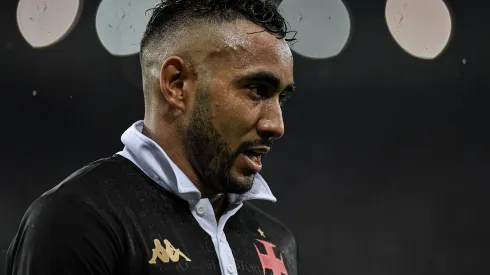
[{"x": 259, "y": 91}]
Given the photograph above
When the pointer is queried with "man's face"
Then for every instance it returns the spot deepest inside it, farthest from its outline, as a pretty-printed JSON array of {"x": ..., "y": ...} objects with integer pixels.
[{"x": 237, "y": 113}]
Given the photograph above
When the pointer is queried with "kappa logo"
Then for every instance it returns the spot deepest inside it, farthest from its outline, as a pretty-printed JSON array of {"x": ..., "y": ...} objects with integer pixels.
[
  {"x": 167, "y": 253},
  {"x": 269, "y": 260}
]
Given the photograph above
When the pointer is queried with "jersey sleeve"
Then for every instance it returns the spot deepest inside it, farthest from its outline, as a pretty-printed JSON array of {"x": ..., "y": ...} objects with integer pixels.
[{"x": 64, "y": 234}]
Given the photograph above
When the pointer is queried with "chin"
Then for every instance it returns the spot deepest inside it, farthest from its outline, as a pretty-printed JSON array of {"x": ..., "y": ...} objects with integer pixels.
[{"x": 240, "y": 183}]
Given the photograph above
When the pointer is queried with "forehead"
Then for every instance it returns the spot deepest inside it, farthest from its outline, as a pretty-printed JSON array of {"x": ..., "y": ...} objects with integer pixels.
[{"x": 243, "y": 47}]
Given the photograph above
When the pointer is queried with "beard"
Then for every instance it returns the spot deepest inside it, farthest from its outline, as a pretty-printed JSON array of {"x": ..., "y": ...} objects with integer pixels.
[{"x": 210, "y": 155}]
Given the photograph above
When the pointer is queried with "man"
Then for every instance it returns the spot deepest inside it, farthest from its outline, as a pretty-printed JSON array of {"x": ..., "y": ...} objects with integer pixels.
[{"x": 174, "y": 201}]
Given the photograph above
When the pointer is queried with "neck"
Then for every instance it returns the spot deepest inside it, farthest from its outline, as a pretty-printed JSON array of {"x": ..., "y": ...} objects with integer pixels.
[{"x": 220, "y": 204}]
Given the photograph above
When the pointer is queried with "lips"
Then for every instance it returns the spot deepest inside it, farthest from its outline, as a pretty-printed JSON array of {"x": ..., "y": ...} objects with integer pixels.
[
  {"x": 253, "y": 161},
  {"x": 253, "y": 158}
]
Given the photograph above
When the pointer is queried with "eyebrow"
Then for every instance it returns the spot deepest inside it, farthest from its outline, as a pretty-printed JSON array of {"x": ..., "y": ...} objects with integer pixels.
[{"x": 268, "y": 77}]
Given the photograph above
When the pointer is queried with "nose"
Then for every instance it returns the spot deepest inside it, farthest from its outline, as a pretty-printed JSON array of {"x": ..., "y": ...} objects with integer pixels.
[{"x": 271, "y": 123}]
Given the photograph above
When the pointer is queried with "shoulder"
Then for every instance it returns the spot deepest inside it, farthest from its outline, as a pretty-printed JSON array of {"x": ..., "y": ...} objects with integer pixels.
[
  {"x": 65, "y": 228},
  {"x": 87, "y": 197},
  {"x": 100, "y": 174},
  {"x": 78, "y": 200},
  {"x": 73, "y": 216},
  {"x": 63, "y": 210}
]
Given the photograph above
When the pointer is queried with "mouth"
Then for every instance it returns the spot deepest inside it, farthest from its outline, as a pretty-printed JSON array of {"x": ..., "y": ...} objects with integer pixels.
[{"x": 253, "y": 158}]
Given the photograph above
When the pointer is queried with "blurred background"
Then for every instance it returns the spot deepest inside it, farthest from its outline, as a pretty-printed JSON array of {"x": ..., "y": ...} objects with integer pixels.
[{"x": 384, "y": 167}]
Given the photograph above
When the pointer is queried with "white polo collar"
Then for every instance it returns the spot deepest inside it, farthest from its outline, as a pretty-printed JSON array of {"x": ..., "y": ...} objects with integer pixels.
[{"x": 154, "y": 162}]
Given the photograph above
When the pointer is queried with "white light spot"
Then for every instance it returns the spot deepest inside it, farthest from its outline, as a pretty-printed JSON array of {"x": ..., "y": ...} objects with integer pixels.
[
  {"x": 120, "y": 24},
  {"x": 323, "y": 26},
  {"x": 464, "y": 61},
  {"x": 45, "y": 22},
  {"x": 421, "y": 27},
  {"x": 34, "y": 93}
]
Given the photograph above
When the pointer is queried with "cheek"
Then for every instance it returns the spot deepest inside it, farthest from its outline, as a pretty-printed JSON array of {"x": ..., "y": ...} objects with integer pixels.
[{"x": 234, "y": 119}]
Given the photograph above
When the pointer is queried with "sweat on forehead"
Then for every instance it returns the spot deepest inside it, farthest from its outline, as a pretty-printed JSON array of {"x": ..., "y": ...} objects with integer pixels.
[{"x": 240, "y": 42}]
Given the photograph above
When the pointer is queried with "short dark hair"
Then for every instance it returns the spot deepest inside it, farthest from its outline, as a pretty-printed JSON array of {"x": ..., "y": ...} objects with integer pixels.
[{"x": 169, "y": 14}]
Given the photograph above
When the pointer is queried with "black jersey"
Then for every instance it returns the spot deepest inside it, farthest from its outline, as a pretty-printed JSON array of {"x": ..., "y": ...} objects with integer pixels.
[{"x": 111, "y": 218}]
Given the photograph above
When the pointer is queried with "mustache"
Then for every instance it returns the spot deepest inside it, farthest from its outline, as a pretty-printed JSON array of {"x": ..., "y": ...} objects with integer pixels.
[{"x": 254, "y": 143}]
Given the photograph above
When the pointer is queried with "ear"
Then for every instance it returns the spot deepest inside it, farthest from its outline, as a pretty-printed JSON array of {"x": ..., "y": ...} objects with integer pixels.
[{"x": 173, "y": 73}]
